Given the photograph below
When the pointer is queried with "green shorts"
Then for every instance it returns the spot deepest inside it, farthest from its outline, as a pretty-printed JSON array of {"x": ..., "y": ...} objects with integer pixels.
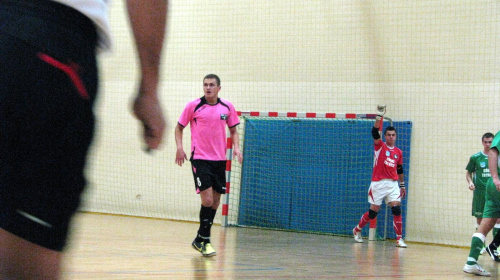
[
  {"x": 478, "y": 201},
  {"x": 492, "y": 205}
]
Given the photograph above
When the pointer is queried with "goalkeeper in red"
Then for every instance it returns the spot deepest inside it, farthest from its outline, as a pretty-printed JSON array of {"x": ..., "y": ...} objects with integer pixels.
[{"x": 387, "y": 180}]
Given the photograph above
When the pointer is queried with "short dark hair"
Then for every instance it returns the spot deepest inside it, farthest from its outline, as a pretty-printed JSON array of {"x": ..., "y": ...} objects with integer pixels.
[
  {"x": 487, "y": 135},
  {"x": 390, "y": 128},
  {"x": 213, "y": 76}
]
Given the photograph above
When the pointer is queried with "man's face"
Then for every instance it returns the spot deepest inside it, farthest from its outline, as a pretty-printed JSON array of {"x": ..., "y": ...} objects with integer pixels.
[
  {"x": 390, "y": 137},
  {"x": 210, "y": 88},
  {"x": 487, "y": 143}
]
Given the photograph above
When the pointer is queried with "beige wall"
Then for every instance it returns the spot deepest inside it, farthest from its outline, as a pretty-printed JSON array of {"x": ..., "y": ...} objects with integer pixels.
[{"x": 435, "y": 63}]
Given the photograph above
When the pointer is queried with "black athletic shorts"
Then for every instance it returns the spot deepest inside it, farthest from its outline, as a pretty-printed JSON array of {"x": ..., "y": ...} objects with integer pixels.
[
  {"x": 208, "y": 174},
  {"x": 48, "y": 83}
]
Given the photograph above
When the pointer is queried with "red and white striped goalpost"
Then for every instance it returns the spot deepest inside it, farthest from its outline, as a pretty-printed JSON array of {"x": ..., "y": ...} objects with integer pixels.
[
  {"x": 372, "y": 234},
  {"x": 229, "y": 157}
]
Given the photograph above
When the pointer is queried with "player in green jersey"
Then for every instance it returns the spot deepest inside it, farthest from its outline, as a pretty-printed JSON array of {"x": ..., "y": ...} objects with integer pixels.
[
  {"x": 491, "y": 213},
  {"x": 477, "y": 175}
]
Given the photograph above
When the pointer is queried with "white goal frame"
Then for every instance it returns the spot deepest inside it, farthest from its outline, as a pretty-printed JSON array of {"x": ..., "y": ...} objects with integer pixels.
[{"x": 229, "y": 155}]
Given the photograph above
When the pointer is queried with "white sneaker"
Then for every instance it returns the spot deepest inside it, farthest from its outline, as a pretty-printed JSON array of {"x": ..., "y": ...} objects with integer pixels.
[
  {"x": 476, "y": 269},
  {"x": 401, "y": 243},
  {"x": 357, "y": 235}
]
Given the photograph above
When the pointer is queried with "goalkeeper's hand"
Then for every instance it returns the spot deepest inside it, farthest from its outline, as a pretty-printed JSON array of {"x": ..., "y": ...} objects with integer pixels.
[
  {"x": 380, "y": 110},
  {"x": 403, "y": 192},
  {"x": 402, "y": 189}
]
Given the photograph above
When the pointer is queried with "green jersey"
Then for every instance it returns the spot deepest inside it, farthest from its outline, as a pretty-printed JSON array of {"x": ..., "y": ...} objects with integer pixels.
[
  {"x": 492, "y": 206},
  {"x": 478, "y": 166},
  {"x": 496, "y": 144}
]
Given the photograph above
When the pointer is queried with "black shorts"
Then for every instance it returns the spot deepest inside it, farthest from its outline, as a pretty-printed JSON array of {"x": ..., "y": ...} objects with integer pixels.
[
  {"x": 48, "y": 83},
  {"x": 208, "y": 174}
]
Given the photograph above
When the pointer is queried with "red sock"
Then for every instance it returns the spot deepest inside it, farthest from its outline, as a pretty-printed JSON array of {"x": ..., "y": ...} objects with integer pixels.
[
  {"x": 398, "y": 226},
  {"x": 364, "y": 220}
]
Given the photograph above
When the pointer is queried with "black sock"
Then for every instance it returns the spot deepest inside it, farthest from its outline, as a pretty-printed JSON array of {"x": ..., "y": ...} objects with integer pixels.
[
  {"x": 496, "y": 241},
  {"x": 212, "y": 215},
  {"x": 205, "y": 225}
]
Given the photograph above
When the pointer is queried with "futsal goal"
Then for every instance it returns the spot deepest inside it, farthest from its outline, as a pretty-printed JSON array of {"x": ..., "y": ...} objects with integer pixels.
[{"x": 307, "y": 172}]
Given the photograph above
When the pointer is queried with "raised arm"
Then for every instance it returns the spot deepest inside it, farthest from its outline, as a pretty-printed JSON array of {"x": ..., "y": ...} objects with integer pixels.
[
  {"x": 376, "y": 126},
  {"x": 148, "y": 21}
]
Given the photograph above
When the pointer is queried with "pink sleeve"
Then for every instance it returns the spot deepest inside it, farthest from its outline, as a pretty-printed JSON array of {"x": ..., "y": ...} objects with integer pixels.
[
  {"x": 233, "y": 119},
  {"x": 185, "y": 117}
]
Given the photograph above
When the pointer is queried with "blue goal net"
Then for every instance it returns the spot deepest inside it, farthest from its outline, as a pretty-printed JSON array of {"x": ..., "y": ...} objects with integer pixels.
[{"x": 307, "y": 174}]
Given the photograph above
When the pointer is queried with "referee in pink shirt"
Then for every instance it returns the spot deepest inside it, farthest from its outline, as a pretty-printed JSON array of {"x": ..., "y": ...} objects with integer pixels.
[{"x": 208, "y": 117}]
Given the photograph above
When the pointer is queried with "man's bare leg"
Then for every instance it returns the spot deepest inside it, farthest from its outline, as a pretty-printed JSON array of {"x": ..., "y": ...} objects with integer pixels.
[{"x": 21, "y": 259}]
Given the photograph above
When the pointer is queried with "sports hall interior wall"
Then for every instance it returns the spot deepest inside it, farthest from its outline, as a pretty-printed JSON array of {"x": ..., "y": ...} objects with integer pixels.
[{"x": 435, "y": 63}]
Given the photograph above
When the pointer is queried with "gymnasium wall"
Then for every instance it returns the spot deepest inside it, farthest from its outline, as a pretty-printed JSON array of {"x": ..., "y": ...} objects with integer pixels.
[{"x": 435, "y": 63}]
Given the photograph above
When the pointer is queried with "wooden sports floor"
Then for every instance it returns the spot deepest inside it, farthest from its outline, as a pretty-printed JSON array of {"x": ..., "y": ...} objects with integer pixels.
[{"x": 117, "y": 247}]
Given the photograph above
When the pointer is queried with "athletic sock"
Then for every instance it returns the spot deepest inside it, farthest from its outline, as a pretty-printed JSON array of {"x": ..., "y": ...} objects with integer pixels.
[
  {"x": 484, "y": 244},
  {"x": 475, "y": 248},
  {"x": 209, "y": 226},
  {"x": 398, "y": 226},
  {"x": 212, "y": 214},
  {"x": 496, "y": 240},
  {"x": 364, "y": 220},
  {"x": 205, "y": 224},
  {"x": 496, "y": 229}
]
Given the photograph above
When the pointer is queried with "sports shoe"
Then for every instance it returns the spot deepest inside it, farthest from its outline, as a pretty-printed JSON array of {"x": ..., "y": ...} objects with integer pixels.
[
  {"x": 401, "y": 243},
  {"x": 493, "y": 253},
  {"x": 208, "y": 250},
  {"x": 357, "y": 235},
  {"x": 476, "y": 269},
  {"x": 198, "y": 246}
]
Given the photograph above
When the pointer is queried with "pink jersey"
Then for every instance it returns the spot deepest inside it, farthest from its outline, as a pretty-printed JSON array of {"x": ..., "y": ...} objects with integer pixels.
[
  {"x": 386, "y": 161},
  {"x": 208, "y": 127}
]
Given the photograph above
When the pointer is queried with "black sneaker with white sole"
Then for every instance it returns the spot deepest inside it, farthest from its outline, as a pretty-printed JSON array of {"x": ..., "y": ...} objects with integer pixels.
[{"x": 493, "y": 253}]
